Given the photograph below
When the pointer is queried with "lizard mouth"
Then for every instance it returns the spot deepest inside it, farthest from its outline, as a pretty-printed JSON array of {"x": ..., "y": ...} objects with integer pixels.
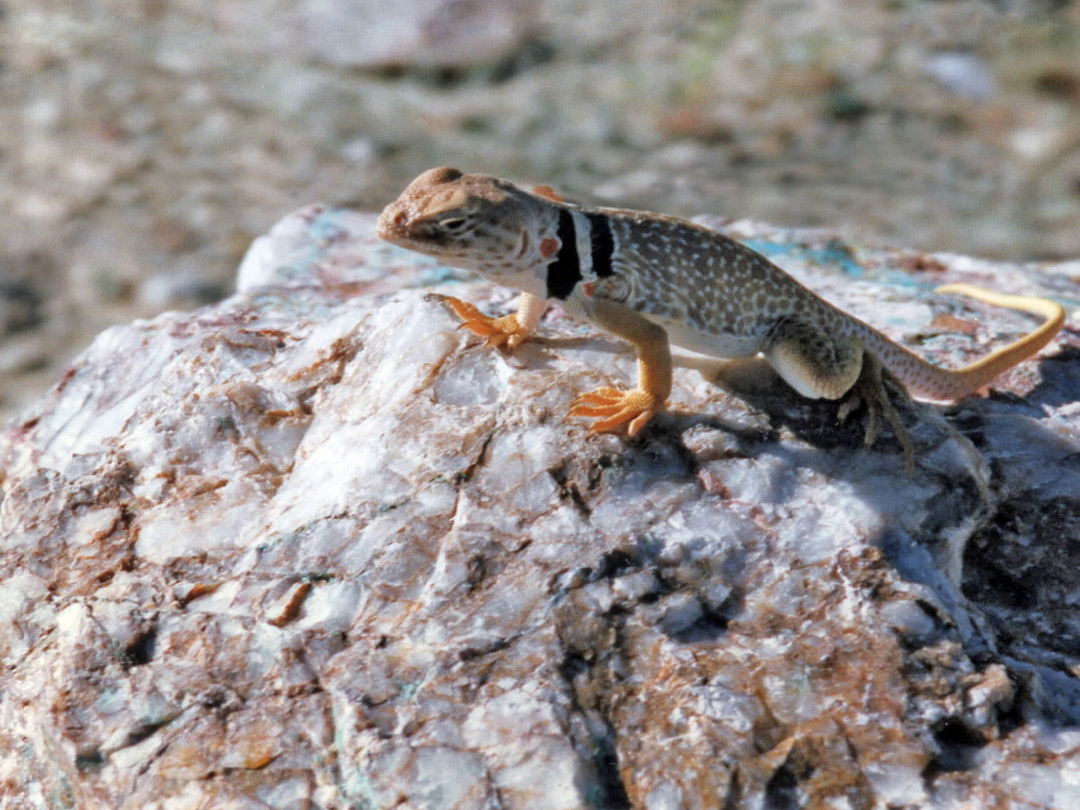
[{"x": 392, "y": 224}]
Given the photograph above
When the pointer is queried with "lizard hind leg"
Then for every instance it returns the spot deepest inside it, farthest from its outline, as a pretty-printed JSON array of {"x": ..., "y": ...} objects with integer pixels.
[
  {"x": 812, "y": 362},
  {"x": 876, "y": 387},
  {"x": 822, "y": 367}
]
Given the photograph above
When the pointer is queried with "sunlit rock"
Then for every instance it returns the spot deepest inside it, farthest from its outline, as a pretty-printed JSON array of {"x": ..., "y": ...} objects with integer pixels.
[{"x": 315, "y": 546}]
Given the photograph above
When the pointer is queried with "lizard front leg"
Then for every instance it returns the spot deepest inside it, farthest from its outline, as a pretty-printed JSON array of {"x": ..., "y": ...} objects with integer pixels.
[
  {"x": 509, "y": 330},
  {"x": 615, "y": 407}
]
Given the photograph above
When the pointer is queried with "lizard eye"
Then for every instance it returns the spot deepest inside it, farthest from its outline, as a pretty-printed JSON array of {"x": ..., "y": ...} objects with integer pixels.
[{"x": 452, "y": 223}]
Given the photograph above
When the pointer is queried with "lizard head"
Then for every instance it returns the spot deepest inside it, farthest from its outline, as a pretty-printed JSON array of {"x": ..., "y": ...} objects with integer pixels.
[{"x": 472, "y": 221}]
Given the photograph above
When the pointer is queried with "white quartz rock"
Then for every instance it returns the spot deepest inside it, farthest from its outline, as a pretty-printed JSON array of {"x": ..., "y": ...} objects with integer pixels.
[{"x": 316, "y": 546}]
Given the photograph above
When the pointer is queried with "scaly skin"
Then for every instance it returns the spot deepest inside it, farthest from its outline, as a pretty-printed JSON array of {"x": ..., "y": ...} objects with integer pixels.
[{"x": 653, "y": 279}]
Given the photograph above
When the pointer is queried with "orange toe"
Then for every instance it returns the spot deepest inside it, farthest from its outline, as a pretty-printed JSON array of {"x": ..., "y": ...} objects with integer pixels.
[
  {"x": 614, "y": 408},
  {"x": 497, "y": 332}
]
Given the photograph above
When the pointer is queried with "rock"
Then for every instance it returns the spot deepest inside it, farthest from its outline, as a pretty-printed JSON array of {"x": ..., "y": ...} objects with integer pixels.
[
  {"x": 314, "y": 546},
  {"x": 962, "y": 74},
  {"x": 410, "y": 33}
]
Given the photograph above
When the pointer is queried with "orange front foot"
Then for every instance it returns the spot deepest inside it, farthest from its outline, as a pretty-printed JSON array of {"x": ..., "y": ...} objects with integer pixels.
[
  {"x": 505, "y": 331},
  {"x": 616, "y": 407}
]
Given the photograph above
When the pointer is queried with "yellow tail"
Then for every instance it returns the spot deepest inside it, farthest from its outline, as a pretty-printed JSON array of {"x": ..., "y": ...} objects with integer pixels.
[{"x": 963, "y": 381}]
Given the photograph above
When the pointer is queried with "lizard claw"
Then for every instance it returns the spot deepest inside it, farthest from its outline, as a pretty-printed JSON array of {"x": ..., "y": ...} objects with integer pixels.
[
  {"x": 616, "y": 407},
  {"x": 872, "y": 388},
  {"x": 497, "y": 332}
]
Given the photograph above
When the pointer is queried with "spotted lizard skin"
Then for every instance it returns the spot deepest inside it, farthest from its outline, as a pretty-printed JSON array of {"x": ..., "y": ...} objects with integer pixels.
[{"x": 631, "y": 271}]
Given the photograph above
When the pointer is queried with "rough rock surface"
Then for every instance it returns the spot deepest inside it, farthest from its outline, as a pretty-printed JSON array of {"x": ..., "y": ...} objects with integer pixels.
[{"x": 314, "y": 546}]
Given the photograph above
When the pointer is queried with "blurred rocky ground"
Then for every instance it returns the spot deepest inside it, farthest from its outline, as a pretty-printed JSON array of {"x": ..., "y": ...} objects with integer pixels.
[{"x": 144, "y": 144}]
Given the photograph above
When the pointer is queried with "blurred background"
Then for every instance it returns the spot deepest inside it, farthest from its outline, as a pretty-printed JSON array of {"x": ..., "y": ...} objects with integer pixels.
[{"x": 145, "y": 143}]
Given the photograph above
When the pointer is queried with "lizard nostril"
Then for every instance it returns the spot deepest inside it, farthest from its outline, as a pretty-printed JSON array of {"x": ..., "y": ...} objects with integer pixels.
[{"x": 400, "y": 218}]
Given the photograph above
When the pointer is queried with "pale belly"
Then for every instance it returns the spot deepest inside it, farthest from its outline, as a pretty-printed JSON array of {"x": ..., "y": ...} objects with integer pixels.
[{"x": 726, "y": 346}]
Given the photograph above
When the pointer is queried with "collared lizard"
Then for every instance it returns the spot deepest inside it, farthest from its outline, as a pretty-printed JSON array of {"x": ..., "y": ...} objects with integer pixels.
[{"x": 653, "y": 279}]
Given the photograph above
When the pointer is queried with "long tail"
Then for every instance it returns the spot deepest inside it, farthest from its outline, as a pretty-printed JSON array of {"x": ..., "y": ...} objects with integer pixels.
[{"x": 928, "y": 381}]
